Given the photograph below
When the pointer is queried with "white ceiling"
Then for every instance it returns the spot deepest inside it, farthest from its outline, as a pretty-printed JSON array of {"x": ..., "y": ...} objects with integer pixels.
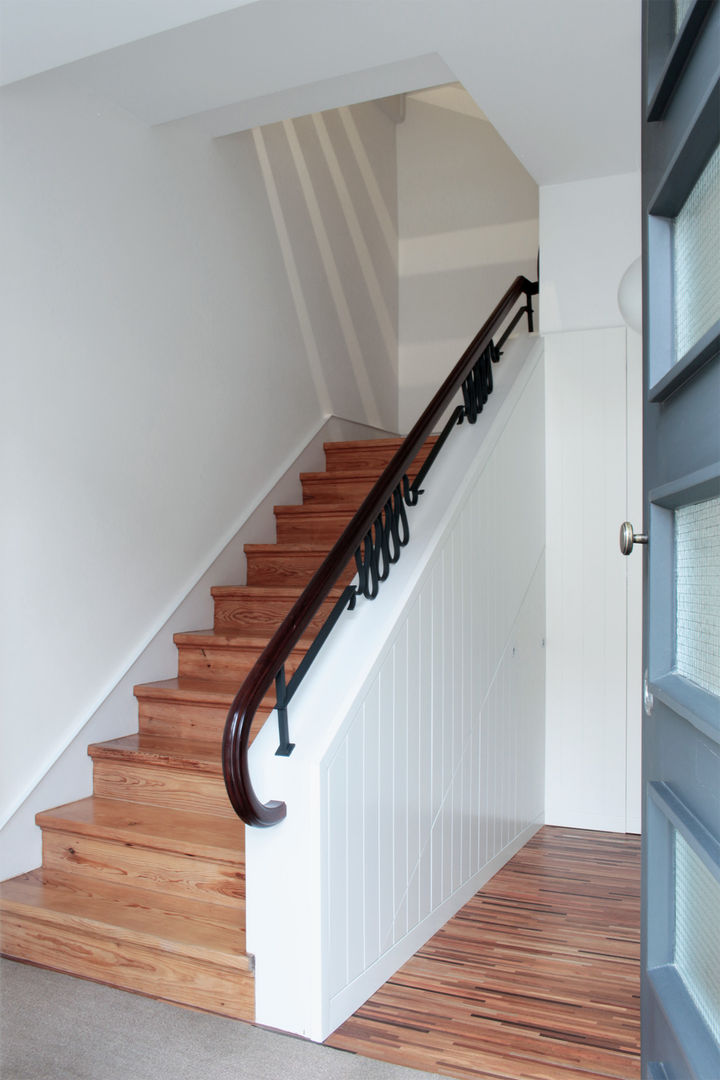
[{"x": 559, "y": 79}]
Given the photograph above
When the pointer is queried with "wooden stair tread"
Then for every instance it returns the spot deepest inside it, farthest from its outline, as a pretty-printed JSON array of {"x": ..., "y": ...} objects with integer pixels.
[
  {"x": 389, "y": 442},
  {"x": 157, "y": 920},
  {"x": 195, "y": 692},
  {"x": 196, "y": 754},
  {"x": 333, "y": 476},
  {"x": 185, "y": 689},
  {"x": 314, "y": 510},
  {"x": 233, "y": 639},
  {"x": 288, "y": 549},
  {"x": 196, "y": 835},
  {"x": 269, "y": 592}
]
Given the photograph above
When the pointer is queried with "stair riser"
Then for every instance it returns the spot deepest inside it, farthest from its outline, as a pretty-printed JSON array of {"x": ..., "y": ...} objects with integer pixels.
[
  {"x": 269, "y": 568},
  {"x": 367, "y": 459},
  {"x": 310, "y": 527},
  {"x": 129, "y": 966},
  {"x": 175, "y": 719},
  {"x": 326, "y": 491},
  {"x": 145, "y": 868},
  {"x": 177, "y": 789},
  {"x": 222, "y": 662},
  {"x": 257, "y": 614}
]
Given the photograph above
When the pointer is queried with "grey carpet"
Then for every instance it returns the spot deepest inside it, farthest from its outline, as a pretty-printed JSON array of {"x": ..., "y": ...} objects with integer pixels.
[{"x": 54, "y": 1027}]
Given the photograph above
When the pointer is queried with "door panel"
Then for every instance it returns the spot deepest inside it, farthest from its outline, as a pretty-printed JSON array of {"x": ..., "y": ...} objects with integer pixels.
[{"x": 681, "y": 725}]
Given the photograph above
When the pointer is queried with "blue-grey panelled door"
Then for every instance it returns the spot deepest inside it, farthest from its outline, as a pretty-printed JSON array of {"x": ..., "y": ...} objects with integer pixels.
[{"x": 681, "y": 706}]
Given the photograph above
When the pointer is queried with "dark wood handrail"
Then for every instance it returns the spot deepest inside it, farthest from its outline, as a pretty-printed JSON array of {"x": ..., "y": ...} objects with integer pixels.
[{"x": 272, "y": 659}]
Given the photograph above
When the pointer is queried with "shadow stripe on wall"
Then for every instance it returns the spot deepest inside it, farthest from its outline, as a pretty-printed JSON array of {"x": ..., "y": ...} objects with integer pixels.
[
  {"x": 352, "y": 343},
  {"x": 384, "y": 217},
  {"x": 306, "y": 330},
  {"x": 382, "y": 314}
]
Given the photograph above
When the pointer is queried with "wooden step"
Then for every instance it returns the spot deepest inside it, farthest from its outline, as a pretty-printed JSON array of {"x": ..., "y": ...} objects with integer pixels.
[
  {"x": 181, "y": 774},
  {"x": 192, "y": 708},
  {"x": 314, "y": 524},
  {"x": 288, "y": 564},
  {"x": 337, "y": 488},
  {"x": 369, "y": 455},
  {"x": 226, "y": 655},
  {"x": 180, "y": 950},
  {"x": 344, "y": 487},
  {"x": 196, "y": 855},
  {"x": 261, "y": 608}
]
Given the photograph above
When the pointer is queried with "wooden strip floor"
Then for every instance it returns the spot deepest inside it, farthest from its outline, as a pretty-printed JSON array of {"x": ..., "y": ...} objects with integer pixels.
[{"x": 536, "y": 978}]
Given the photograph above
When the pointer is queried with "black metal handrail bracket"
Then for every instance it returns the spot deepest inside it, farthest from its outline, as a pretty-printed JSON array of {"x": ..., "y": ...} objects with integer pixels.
[{"x": 374, "y": 539}]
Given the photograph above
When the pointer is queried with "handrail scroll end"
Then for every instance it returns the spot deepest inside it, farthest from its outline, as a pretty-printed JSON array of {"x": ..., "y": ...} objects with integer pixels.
[{"x": 239, "y": 787}]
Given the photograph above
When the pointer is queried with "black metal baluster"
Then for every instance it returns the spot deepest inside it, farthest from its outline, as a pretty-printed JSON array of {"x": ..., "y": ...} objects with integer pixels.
[
  {"x": 285, "y": 748},
  {"x": 409, "y": 492},
  {"x": 382, "y": 542}
]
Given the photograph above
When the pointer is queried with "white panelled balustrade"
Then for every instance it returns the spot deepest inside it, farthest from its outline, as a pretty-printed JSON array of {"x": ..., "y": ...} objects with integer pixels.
[{"x": 419, "y": 764}]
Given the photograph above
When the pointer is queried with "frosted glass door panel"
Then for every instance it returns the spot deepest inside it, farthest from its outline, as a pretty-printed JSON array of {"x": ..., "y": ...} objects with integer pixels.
[
  {"x": 696, "y": 259},
  {"x": 697, "y": 576},
  {"x": 697, "y": 933}
]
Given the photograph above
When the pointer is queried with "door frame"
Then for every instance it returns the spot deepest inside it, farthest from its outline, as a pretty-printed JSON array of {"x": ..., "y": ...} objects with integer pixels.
[{"x": 681, "y": 722}]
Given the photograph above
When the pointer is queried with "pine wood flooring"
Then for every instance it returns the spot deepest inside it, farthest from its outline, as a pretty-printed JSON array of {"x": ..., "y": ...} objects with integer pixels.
[{"x": 536, "y": 978}]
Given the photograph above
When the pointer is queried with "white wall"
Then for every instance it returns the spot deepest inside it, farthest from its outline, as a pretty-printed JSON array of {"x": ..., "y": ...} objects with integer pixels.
[
  {"x": 419, "y": 733},
  {"x": 157, "y": 373},
  {"x": 594, "y": 381},
  {"x": 468, "y": 223},
  {"x": 589, "y": 235}
]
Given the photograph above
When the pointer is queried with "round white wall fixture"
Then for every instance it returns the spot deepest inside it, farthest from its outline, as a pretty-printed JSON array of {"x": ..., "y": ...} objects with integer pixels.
[{"x": 630, "y": 295}]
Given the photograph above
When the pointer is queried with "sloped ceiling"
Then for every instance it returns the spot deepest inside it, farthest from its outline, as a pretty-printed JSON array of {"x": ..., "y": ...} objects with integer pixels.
[{"x": 559, "y": 79}]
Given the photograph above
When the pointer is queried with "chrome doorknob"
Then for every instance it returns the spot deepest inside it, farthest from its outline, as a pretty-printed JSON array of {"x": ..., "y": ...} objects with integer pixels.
[{"x": 628, "y": 538}]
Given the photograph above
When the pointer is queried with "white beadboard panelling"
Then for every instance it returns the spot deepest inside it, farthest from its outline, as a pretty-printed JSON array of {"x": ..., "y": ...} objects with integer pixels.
[
  {"x": 587, "y": 464},
  {"x": 425, "y": 740},
  {"x": 371, "y": 846},
  {"x": 385, "y": 865},
  {"x": 414, "y": 724},
  {"x": 401, "y": 802},
  {"x": 337, "y": 846},
  {"x": 354, "y": 796},
  {"x": 421, "y": 726},
  {"x": 508, "y": 800},
  {"x": 512, "y": 699}
]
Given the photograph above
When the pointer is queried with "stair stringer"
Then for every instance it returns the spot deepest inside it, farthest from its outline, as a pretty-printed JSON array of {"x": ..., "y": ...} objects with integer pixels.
[{"x": 419, "y": 760}]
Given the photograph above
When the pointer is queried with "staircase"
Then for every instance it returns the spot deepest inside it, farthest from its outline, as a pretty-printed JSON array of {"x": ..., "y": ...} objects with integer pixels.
[{"x": 142, "y": 884}]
